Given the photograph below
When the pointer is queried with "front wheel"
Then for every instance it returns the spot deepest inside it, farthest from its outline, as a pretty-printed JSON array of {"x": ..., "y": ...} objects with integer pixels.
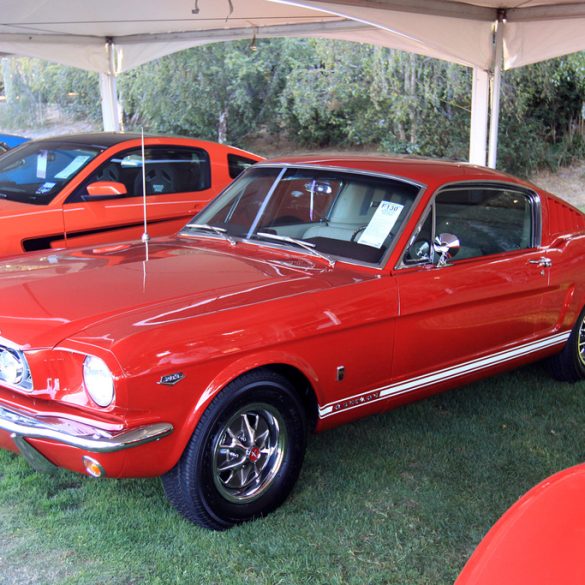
[
  {"x": 244, "y": 456},
  {"x": 569, "y": 364}
]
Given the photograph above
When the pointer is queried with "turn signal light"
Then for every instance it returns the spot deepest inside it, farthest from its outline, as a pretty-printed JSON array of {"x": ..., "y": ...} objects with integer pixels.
[{"x": 93, "y": 467}]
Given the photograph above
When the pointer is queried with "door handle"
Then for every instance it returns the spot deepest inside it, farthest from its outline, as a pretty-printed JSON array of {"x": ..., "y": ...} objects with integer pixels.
[{"x": 543, "y": 262}]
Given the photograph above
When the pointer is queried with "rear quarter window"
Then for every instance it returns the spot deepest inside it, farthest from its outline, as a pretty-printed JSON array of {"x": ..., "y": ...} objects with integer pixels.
[{"x": 238, "y": 164}]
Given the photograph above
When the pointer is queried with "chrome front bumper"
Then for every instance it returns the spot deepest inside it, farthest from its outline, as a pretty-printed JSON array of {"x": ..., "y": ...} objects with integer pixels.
[{"x": 68, "y": 432}]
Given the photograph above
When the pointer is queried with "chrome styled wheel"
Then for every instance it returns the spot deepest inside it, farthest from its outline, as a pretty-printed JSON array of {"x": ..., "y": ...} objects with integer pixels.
[
  {"x": 248, "y": 452},
  {"x": 245, "y": 453}
]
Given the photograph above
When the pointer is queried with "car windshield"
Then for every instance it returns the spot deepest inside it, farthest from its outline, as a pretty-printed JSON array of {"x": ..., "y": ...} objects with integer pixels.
[
  {"x": 335, "y": 213},
  {"x": 36, "y": 171}
]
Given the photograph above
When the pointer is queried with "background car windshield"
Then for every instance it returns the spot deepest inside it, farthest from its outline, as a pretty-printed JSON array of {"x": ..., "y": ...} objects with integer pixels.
[
  {"x": 350, "y": 215},
  {"x": 35, "y": 172}
]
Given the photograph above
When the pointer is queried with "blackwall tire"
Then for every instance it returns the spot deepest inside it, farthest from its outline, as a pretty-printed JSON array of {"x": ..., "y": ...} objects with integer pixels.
[
  {"x": 569, "y": 364},
  {"x": 244, "y": 456}
]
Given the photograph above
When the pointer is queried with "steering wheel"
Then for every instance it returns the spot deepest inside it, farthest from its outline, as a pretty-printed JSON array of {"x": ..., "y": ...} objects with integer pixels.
[{"x": 358, "y": 231}]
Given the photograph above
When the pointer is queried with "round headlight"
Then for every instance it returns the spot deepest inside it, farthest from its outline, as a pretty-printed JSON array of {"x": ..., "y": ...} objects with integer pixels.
[
  {"x": 98, "y": 380},
  {"x": 12, "y": 368}
]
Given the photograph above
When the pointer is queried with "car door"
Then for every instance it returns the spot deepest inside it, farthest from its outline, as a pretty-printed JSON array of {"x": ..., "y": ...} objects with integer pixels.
[
  {"x": 178, "y": 184},
  {"x": 484, "y": 306}
]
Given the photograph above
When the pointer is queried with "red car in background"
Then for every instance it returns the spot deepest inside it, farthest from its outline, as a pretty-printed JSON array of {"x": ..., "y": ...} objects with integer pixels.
[
  {"x": 87, "y": 189},
  {"x": 540, "y": 540},
  {"x": 311, "y": 292}
]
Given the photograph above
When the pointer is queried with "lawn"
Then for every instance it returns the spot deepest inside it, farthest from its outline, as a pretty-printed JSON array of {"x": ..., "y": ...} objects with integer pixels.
[{"x": 402, "y": 498}]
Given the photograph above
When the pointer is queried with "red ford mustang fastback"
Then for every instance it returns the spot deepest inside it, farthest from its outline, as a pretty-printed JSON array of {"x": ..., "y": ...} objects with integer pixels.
[
  {"x": 311, "y": 292},
  {"x": 87, "y": 189}
]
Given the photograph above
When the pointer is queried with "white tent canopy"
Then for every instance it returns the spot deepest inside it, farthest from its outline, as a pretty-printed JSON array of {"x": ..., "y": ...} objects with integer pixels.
[{"x": 112, "y": 36}]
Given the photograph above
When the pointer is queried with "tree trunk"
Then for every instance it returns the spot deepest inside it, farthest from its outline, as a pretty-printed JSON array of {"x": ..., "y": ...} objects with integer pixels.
[
  {"x": 7, "y": 79},
  {"x": 222, "y": 127}
]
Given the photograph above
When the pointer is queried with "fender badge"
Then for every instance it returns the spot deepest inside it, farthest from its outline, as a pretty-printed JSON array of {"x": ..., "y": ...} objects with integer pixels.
[{"x": 171, "y": 379}]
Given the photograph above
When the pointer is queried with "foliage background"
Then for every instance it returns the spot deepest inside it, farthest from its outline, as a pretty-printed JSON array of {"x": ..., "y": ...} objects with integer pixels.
[{"x": 313, "y": 94}]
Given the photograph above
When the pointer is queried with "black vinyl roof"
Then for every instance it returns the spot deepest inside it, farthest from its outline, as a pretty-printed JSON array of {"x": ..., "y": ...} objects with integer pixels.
[{"x": 101, "y": 139}]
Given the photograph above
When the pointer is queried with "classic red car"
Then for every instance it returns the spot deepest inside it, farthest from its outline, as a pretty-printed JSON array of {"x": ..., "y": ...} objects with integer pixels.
[
  {"x": 87, "y": 189},
  {"x": 539, "y": 541},
  {"x": 311, "y": 292}
]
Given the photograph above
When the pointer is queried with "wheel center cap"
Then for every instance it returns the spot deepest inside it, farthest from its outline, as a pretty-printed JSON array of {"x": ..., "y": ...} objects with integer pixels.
[{"x": 254, "y": 454}]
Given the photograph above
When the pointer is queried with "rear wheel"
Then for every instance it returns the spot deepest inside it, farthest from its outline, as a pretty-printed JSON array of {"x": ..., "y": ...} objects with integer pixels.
[
  {"x": 569, "y": 364},
  {"x": 244, "y": 456}
]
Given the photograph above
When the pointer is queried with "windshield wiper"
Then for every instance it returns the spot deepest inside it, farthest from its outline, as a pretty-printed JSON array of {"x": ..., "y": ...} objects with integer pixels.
[
  {"x": 301, "y": 243},
  {"x": 216, "y": 230}
]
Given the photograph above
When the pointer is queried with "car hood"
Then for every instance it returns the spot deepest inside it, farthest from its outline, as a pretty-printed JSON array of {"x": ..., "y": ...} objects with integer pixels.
[{"x": 47, "y": 298}]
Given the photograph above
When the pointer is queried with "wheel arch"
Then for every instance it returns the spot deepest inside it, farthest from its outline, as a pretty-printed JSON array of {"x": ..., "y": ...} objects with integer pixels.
[
  {"x": 303, "y": 388},
  {"x": 302, "y": 378},
  {"x": 301, "y": 375}
]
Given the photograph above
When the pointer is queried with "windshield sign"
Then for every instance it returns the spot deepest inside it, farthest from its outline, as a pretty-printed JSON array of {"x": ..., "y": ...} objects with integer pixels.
[
  {"x": 326, "y": 212},
  {"x": 35, "y": 172}
]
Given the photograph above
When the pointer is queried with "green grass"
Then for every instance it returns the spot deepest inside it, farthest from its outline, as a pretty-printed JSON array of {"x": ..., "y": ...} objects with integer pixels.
[{"x": 402, "y": 498}]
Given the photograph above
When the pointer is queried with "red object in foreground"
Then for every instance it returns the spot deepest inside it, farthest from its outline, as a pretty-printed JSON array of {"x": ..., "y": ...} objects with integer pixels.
[
  {"x": 540, "y": 540},
  {"x": 87, "y": 189},
  {"x": 310, "y": 293}
]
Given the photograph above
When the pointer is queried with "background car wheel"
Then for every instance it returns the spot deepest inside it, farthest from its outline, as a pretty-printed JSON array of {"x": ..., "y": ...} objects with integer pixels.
[
  {"x": 244, "y": 456},
  {"x": 569, "y": 364}
]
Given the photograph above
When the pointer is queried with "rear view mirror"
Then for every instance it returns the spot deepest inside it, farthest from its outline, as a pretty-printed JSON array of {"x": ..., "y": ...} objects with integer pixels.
[
  {"x": 419, "y": 252},
  {"x": 106, "y": 189}
]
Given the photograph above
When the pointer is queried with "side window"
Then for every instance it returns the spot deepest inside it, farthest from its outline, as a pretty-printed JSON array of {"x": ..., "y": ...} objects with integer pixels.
[
  {"x": 486, "y": 220},
  {"x": 168, "y": 170},
  {"x": 238, "y": 164}
]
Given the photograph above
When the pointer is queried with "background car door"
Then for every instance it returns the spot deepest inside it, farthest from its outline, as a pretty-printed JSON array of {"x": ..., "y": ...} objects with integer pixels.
[
  {"x": 488, "y": 300},
  {"x": 178, "y": 182}
]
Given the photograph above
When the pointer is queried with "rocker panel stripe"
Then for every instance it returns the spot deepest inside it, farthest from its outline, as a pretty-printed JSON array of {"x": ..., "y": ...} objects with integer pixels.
[{"x": 385, "y": 392}]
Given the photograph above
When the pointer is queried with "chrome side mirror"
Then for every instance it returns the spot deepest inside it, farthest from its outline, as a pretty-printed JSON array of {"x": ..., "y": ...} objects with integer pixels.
[{"x": 446, "y": 246}]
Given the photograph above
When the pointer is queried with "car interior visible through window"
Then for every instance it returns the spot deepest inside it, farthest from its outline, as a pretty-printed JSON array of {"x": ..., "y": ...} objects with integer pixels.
[
  {"x": 168, "y": 170},
  {"x": 35, "y": 172},
  {"x": 345, "y": 215}
]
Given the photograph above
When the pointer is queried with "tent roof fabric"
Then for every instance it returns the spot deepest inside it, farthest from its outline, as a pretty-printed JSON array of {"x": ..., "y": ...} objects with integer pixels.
[{"x": 76, "y": 33}]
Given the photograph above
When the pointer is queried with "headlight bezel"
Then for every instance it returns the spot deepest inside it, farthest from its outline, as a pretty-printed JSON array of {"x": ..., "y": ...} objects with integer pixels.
[
  {"x": 98, "y": 381},
  {"x": 22, "y": 378}
]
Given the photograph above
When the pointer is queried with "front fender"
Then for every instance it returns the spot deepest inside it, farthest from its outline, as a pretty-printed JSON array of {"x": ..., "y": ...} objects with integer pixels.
[{"x": 230, "y": 372}]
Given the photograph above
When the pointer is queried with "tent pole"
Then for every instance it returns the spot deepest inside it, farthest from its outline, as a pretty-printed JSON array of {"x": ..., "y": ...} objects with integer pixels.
[
  {"x": 109, "y": 94},
  {"x": 496, "y": 91},
  {"x": 480, "y": 100}
]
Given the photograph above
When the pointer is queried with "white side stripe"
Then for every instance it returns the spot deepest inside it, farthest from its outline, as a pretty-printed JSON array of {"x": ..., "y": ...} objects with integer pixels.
[{"x": 385, "y": 392}]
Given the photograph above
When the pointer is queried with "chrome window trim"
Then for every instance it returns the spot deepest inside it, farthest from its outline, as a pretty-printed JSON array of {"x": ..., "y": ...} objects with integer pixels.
[
  {"x": 531, "y": 194},
  {"x": 308, "y": 166}
]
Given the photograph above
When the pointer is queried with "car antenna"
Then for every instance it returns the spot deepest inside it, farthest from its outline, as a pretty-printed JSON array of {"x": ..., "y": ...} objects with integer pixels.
[{"x": 145, "y": 235}]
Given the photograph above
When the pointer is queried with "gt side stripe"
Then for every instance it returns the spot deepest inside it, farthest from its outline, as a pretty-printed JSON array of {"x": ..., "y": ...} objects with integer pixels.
[{"x": 385, "y": 392}]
